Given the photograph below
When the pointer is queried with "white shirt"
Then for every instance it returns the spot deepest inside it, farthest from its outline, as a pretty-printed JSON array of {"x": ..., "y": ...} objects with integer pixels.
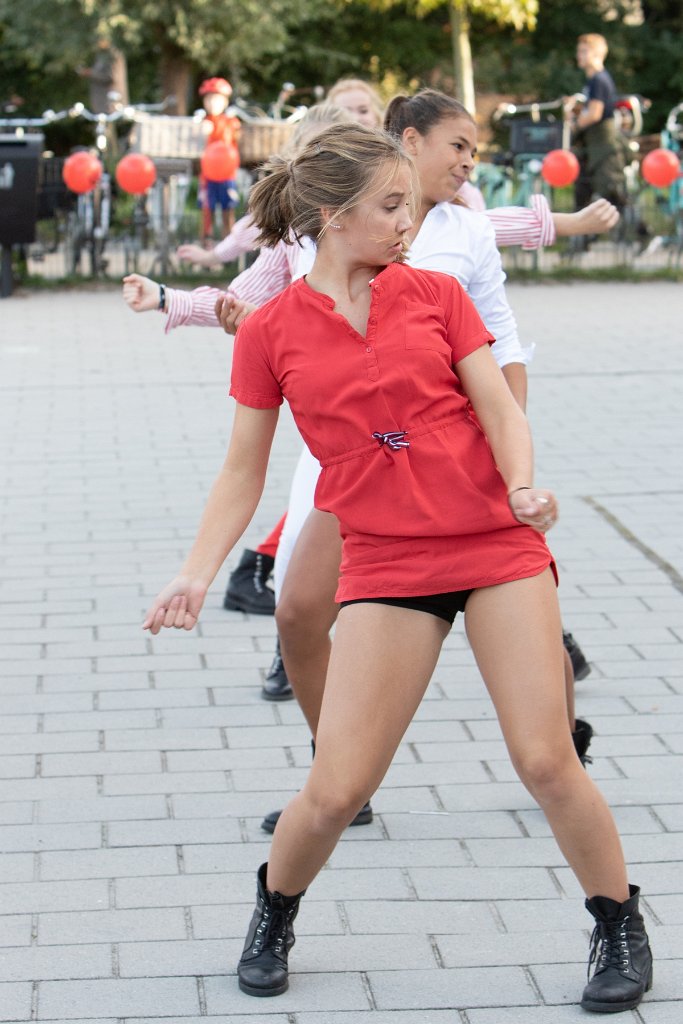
[{"x": 475, "y": 262}]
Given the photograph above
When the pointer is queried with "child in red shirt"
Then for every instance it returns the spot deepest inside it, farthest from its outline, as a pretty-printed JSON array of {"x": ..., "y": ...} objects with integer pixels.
[{"x": 216, "y": 93}]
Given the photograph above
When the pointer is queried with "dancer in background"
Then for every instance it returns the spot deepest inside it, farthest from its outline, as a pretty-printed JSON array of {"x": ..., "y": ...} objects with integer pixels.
[{"x": 247, "y": 588}]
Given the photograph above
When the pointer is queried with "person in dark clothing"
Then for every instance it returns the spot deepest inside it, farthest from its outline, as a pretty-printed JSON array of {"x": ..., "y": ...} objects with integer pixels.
[
  {"x": 108, "y": 75},
  {"x": 595, "y": 139}
]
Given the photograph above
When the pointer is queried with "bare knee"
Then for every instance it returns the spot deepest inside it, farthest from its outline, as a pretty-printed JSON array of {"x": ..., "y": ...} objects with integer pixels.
[
  {"x": 335, "y": 807},
  {"x": 299, "y": 617},
  {"x": 547, "y": 772}
]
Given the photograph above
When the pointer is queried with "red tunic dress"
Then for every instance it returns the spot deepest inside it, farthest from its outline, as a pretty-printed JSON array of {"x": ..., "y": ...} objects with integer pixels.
[{"x": 426, "y": 517}]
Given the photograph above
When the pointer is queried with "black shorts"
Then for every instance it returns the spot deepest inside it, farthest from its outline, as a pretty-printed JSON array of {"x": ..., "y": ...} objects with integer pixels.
[{"x": 444, "y": 606}]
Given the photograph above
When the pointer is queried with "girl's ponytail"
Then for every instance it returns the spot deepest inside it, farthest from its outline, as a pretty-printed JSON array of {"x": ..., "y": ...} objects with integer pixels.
[
  {"x": 270, "y": 201},
  {"x": 395, "y": 115}
]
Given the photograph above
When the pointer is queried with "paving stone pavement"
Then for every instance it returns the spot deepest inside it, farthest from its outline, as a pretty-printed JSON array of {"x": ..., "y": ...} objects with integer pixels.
[{"x": 134, "y": 770}]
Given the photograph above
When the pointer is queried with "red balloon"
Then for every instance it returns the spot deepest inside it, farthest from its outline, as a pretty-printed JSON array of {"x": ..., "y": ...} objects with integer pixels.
[
  {"x": 81, "y": 171},
  {"x": 220, "y": 161},
  {"x": 136, "y": 173},
  {"x": 660, "y": 168},
  {"x": 560, "y": 168}
]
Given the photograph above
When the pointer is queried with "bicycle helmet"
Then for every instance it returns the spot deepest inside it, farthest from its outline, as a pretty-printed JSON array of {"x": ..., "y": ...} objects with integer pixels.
[{"x": 219, "y": 85}]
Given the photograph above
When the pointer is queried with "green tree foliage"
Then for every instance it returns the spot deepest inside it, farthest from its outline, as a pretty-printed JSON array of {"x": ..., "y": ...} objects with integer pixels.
[
  {"x": 395, "y": 43},
  {"x": 48, "y": 39},
  {"x": 520, "y": 14}
]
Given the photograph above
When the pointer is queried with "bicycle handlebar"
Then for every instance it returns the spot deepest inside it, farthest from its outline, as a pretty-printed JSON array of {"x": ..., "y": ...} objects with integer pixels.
[
  {"x": 237, "y": 110},
  {"x": 673, "y": 125},
  {"x": 126, "y": 113},
  {"x": 509, "y": 109}
]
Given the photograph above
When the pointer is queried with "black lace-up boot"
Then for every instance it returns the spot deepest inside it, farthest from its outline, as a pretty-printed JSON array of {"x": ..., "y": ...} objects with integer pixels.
[
  {"x": 580, "y": 666},
  {"x": 262, "y": 970},
  {"x": 621, "y": 954},
  {"x": 247, "y": 590},
  {"x": 582, "y": 736},
  {"x": 276, "y": 685}
]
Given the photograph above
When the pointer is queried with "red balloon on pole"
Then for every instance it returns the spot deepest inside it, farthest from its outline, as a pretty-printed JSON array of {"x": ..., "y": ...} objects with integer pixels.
[
  {"x": 136, "y": 173},
  {"x": 560, "y": 168},
  {"x": 220, "y": 161},
  {"x": 660, "y": 168},
  {"x": 81, "y": 171}
]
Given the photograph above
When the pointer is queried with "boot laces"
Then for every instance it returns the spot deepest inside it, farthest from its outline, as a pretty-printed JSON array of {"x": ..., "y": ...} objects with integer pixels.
[
  {"x": 271, "y": 932},
  {"x": 614, "y": 951},
  {"x": 277, "y": 665},
  {"x": 258, "y": 574}
]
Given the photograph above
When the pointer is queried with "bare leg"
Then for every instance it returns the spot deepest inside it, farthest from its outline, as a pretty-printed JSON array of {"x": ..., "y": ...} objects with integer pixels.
[
  {"x": 515, "y": 632},
  {"x": 306, "y": 611},
  {"x": 379, "y": 652},
  {"x": 228, "y": 220}
]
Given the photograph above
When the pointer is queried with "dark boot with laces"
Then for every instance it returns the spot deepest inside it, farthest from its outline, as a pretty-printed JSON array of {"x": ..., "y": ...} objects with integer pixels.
[
  {"x": 276, "y": 685},
  {"x": 582, "y": 736},
  {"x": 262, "y": 970},
  {"x": 247, "y": 590},
  {"x": 621, "y": 954},
  {"x": 580, "y": 666}
]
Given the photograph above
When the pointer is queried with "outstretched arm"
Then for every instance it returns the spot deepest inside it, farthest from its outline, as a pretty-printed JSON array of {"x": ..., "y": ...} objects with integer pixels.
[
  {"x": 537, "y": 225},
  {"x": 228, "y": 511}
]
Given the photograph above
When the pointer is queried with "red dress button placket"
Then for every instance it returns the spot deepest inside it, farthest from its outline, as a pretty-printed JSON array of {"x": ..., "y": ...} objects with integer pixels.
[{"x": 371, "y": 363}]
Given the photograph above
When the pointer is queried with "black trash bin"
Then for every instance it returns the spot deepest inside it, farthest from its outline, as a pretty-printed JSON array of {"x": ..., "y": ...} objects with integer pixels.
[{"x": 19, "y": 156}]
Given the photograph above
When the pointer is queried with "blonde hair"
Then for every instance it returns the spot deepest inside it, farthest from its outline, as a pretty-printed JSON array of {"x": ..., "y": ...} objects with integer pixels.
[
  {"x": 596, "y": 43},
  {"x": 335, "y": 171},
  {"x": 346, "y": 84},
  {"x": 315, "y": 118}
]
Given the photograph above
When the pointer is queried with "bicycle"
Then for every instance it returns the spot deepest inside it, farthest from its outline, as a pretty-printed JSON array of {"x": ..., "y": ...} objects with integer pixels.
[
  {"x": 514, "y": 176},
  {"x": 671, "y": 137},
  {"x": 83, "y": 224}
]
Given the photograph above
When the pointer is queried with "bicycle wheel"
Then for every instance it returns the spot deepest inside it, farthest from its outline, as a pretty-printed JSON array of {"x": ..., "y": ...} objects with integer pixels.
[{"x": 74, "y": 239}]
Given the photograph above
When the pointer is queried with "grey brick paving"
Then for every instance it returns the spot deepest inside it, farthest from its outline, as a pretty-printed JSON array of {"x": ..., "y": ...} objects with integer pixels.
[
  {"x": 112, "y": 926},
  {"x": 134, "y": 771}
]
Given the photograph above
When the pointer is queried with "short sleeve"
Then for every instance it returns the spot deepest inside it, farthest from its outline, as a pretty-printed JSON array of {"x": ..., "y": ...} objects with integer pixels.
[
  {"x": 253, "y": 382},
  {"x": 465, "y": 330},
  {"x": 599, "y": 89}
]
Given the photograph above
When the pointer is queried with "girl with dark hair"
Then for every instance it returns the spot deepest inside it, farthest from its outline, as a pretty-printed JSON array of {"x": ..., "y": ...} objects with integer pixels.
[{"x": 428, "y": 465}]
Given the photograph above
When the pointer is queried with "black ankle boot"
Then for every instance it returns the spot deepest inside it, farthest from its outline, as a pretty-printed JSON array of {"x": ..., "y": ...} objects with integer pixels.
[
  {"x": 580, "y": 666},
  {"x": 582, "y": 736},
  {"x": 247, "y": 590},
  {"x": 276, "y": 685},
  {"x": 262, "y": 970},
  {"x": 364, "y": 817},
  {"x": 623, "y": 971}
]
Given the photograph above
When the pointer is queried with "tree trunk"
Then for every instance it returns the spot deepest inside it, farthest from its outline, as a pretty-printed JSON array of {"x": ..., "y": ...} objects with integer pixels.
[
  {"x": 176, "y": 76},
  {"x": 462, "y": 53}
]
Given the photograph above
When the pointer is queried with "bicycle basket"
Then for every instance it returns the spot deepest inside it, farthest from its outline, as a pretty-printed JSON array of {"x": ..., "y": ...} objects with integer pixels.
[
  {"x": 261, "y": 138},
  {"x": 165, "y": 136},
  {"x": 527, "y": 136}
]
